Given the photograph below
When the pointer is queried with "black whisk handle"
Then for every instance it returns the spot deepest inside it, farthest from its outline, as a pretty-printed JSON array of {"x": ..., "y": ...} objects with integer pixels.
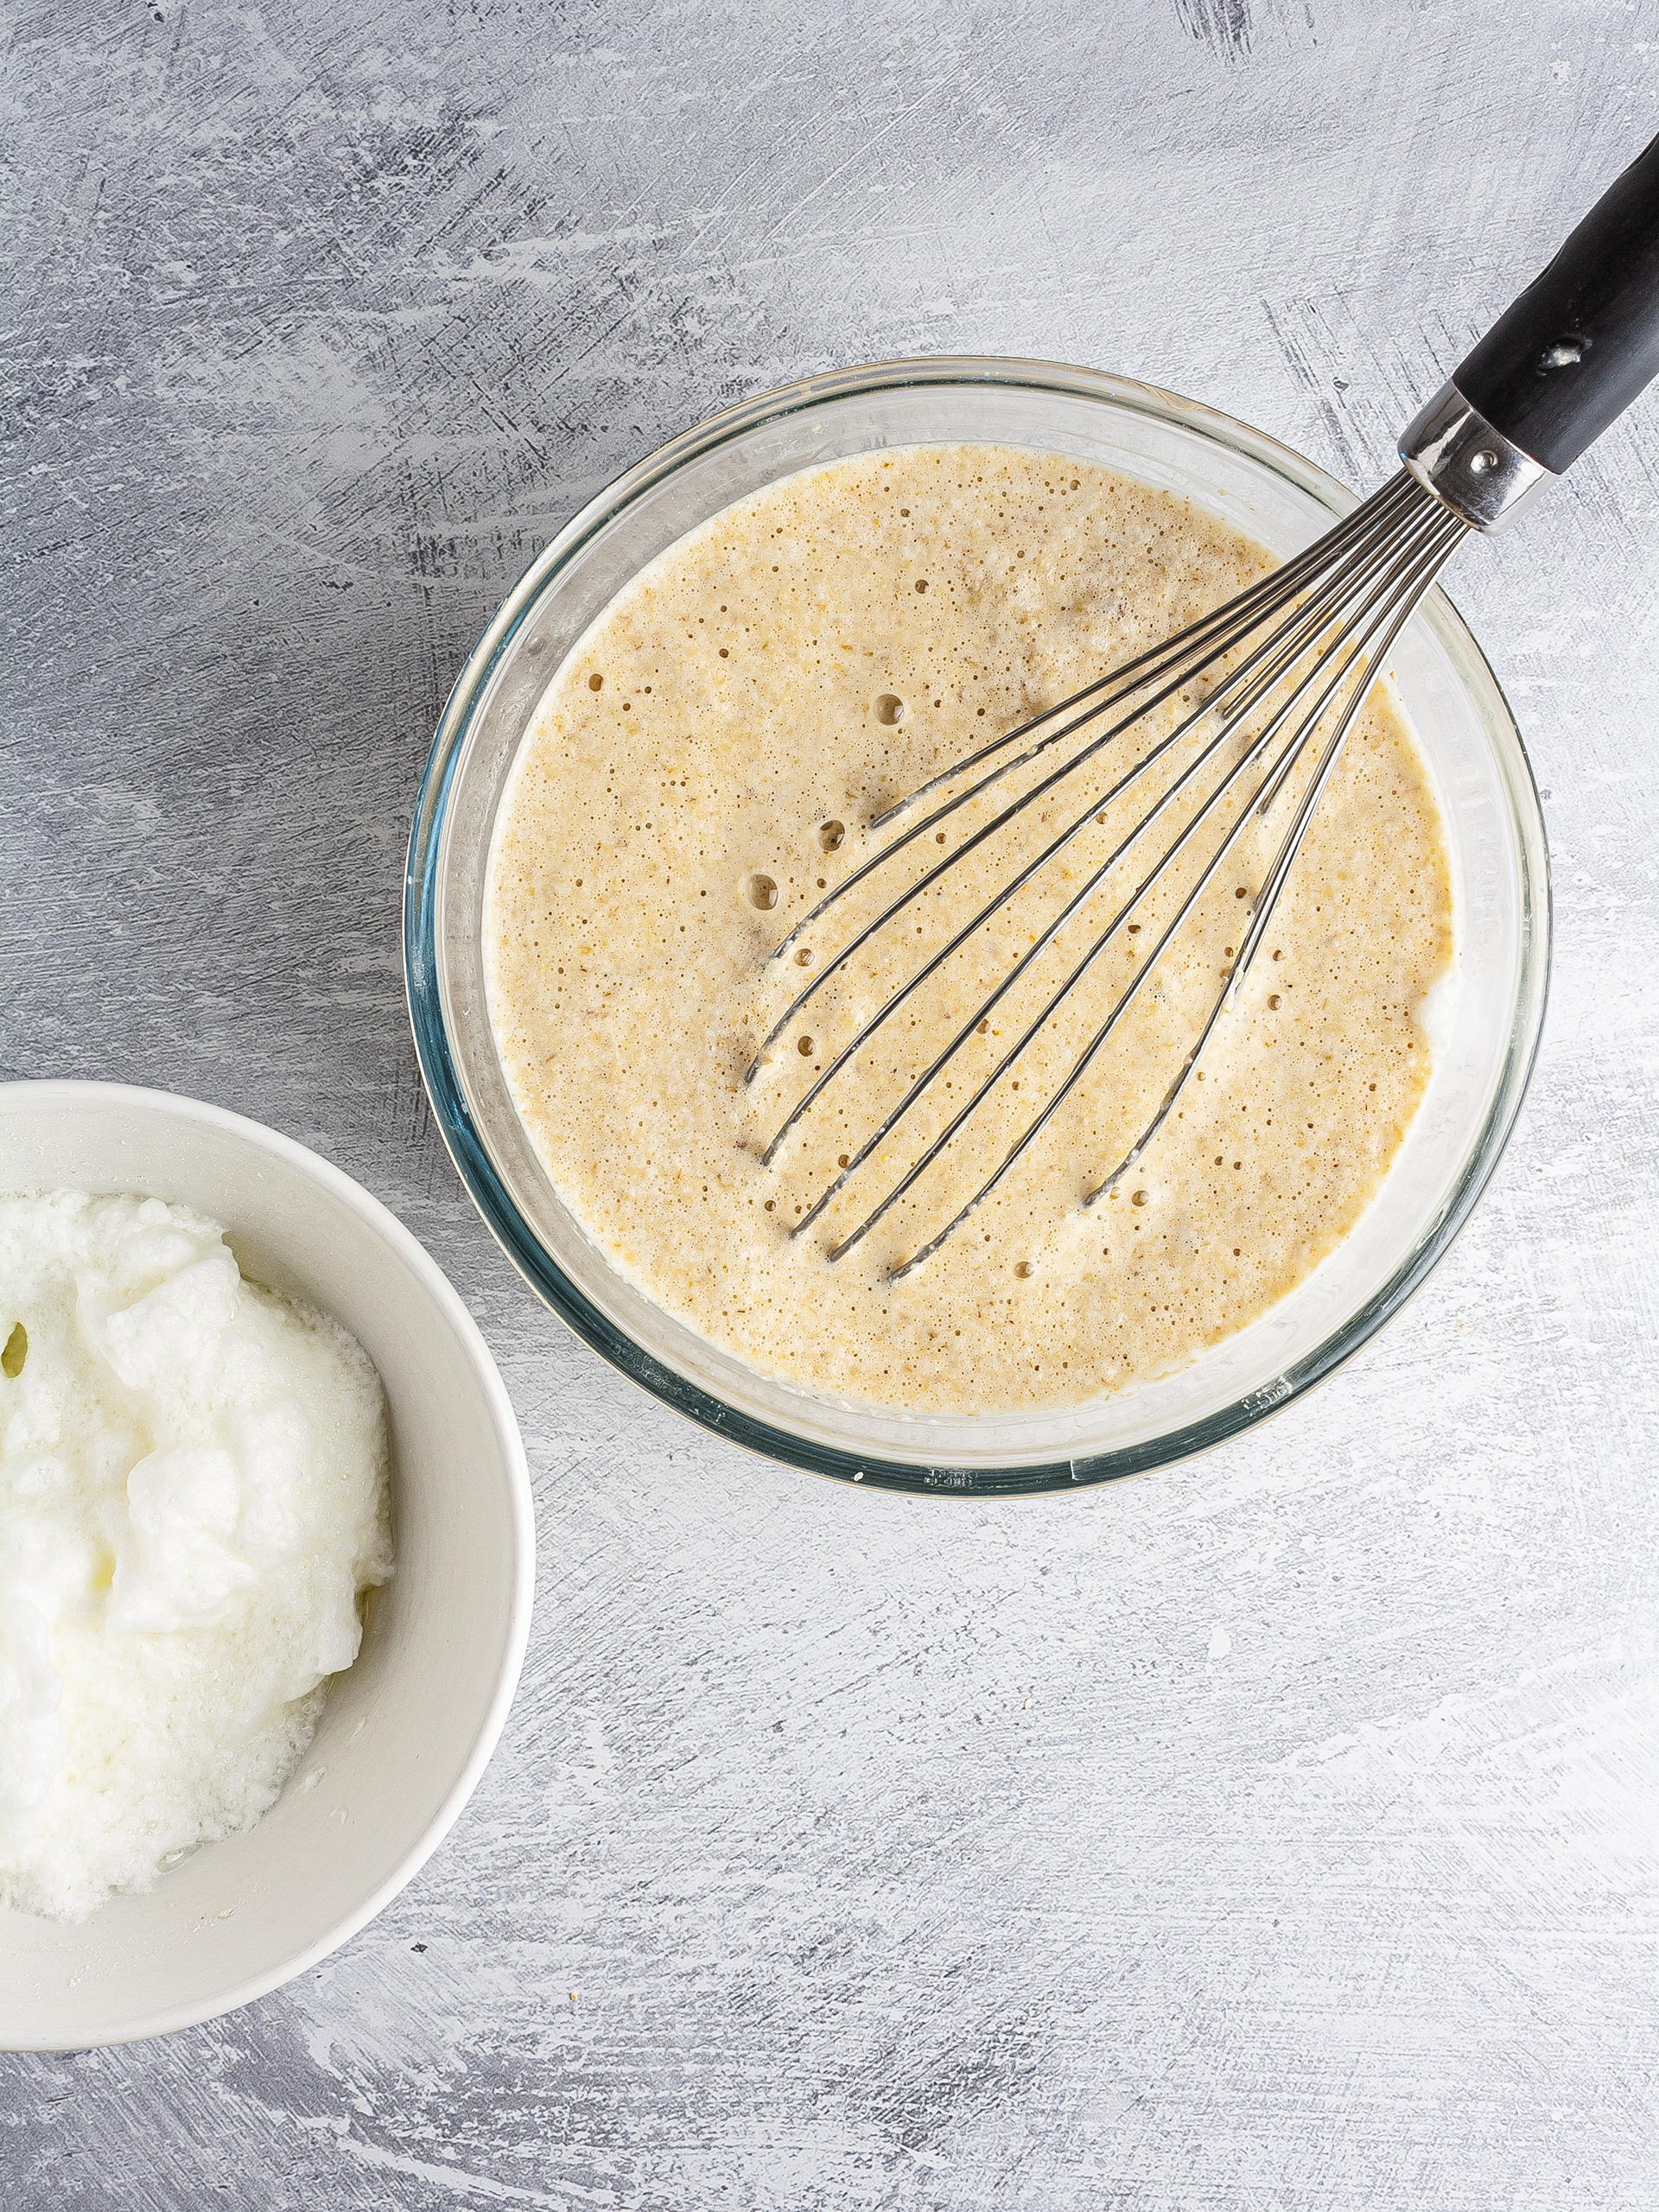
[{"x": 1583, "y": 339}]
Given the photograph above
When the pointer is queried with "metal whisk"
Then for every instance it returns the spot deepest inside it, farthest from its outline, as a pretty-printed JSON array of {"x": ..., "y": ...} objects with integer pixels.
[{"x": 1288, "y": 665}]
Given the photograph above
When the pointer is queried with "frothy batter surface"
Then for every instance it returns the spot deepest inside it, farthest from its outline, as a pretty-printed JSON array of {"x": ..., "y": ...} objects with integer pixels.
[{"x": 705, "y": 765}]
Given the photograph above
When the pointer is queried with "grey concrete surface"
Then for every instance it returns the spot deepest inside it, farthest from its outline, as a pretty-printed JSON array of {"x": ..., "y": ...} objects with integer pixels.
[{"x": 1276, "y": 1832}]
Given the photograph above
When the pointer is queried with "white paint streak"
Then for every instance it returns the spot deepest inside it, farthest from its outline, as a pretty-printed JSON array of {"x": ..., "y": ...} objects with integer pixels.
[{"x": 455, "y": 2182}]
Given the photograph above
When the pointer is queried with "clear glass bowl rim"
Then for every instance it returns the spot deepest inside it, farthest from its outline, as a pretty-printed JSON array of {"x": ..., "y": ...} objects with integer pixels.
[{"x": 471, "y": 1156}]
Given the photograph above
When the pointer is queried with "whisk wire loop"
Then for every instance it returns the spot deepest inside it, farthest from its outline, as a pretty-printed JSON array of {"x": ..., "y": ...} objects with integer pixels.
[
  {"x": 1305, "y": 635},
  {"x": 1299, "y": 633},
  {"x": 1423, "y": 555}
]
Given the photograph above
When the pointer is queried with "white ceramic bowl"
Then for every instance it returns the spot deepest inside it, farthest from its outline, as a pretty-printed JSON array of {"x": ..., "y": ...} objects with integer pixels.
[{"x": 406, "y": 1732}]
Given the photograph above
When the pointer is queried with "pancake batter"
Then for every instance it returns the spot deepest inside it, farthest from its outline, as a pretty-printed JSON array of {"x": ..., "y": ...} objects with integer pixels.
[{"x": 705, "y": 765}]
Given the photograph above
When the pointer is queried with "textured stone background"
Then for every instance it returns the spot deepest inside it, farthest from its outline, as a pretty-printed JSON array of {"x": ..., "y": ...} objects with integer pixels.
[{"x": 1278, "y": 1833}]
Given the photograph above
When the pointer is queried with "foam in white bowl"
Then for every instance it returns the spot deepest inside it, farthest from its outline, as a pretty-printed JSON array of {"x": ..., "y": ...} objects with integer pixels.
[{"x": 193, "y": 1495}]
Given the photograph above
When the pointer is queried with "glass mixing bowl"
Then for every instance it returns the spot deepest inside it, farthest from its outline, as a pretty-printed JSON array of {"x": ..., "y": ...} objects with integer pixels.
[{"x": 1488, "y": 1037}]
